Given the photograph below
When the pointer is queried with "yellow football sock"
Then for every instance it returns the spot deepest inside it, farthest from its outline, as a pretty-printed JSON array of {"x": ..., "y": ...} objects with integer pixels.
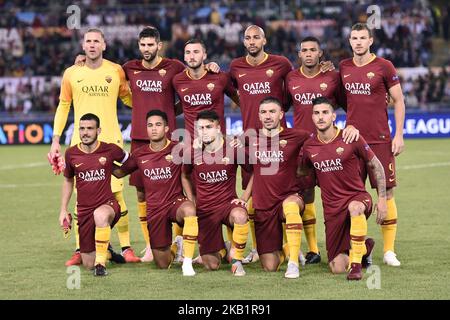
[
  {"x": 389, "y": 226},
  {"x": 142, "y": 212},
  {"x": 240, "y": 235},
  {"x": 309, "y": 226},
  {"x": 102, "y": 236},
  {"x": 222, "y": 253},
  {"x": 293, "y": 229},
  {"x": 123, "y": 225},
  {"x": 251, "y": 220},
  {"x": 358, "y": 232},
  {"x": 282, "y": 259},
  {"x": 190, "y": 233}
]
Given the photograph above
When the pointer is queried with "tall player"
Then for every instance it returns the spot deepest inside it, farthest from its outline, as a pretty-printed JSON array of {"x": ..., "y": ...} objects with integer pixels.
[
  {"x": 304, "y": 85},
  {"x": 369, "y": 81},
  {"x": 91, "y": 162},
  {"x": 95, "y": 88},
  {"x": 214, "y": 164},
  {"x": 150, "y": 80},
  {"x": 199, "y": 89},
  {"x": 256, "y": 76},
  {"x": 275, "y": 196},
  {"x": 163, "y": 183},
  {"x": 346, "y": 202}
]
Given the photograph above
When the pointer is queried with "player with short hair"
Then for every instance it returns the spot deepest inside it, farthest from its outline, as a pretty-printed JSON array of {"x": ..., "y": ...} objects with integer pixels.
[
  {"x": 214, "y": 164},
  {"x": 276, "y": 200},
  {"x": 303, "y": 85},
  {"x": 199, "y": 89},
  {"x": 150, "y": 80},
  {"x": 346, "y": 203},
  {"x": 160, "y": 168},
  {"x": 369, "y": 81},
  {"x": 91, "y": 163},
  {"x": 95, "y": 88},
  {"x": 257, "y": 75}
]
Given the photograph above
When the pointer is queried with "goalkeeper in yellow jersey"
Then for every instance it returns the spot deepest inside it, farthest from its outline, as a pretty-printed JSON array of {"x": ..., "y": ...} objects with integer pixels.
[{"x": 94, "y": 88}]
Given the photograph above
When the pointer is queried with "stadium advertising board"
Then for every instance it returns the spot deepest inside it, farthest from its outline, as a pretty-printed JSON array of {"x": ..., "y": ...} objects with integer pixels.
[{"x": 417, "y": 125}]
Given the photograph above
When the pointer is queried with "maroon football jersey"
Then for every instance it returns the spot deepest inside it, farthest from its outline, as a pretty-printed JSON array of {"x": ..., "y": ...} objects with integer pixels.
[
  {"x": 160, "y": 173},
  {"x": 303, "y": 90},
  {"x": 93, "y": 173},
  {"x": 367, "y": 88},
  {"x": 336, "y": 165},
  {"x": 275, "y": 166},
  {"x": 206, "y": 93},
  {"x": 151, "y": 89},
  {"x": 255, "y": 83},
  {"x": 215, "y": 176}
]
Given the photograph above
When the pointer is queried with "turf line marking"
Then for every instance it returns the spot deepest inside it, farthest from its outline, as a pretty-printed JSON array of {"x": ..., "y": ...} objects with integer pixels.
[
  {"x": 28, "y": 185},
  {"x": 425, "y": 165},
  {"x": 24, "y": 166}
]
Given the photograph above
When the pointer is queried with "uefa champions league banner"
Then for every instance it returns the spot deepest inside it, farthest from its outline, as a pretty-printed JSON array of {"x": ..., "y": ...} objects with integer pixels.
[{"x": 417, "y": 125}]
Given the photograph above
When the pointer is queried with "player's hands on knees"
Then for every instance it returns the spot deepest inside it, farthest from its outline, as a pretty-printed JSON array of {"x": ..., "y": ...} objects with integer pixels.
[
  {"x": 397, "y": 145},
  {"x": 80, "y": 60},
  {"x": 326, "y": 66},
  {"x": 381, "y": 210},
  {"x": 350, "y": 134},
  {"x": 239, "y": 202},
  {"x": 212, "y": 67}
]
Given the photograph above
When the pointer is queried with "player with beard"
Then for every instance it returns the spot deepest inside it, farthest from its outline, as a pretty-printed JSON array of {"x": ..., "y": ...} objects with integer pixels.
[
  {"x": 346, "y": 203},
  {"x": 369, "y": 81},
  {"x": 200, "y": 90},
  {"x": 91, "y": 163},
  {"x": 304, "y": 85}
]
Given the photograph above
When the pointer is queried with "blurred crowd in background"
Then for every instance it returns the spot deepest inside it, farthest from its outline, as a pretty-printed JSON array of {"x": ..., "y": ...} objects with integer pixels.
[{"x": 36, "y": 45}]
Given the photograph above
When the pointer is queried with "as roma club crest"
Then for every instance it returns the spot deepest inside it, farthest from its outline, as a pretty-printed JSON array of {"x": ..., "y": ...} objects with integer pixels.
[
  {"x": 162, "y": 72},
  {"x": 269, "y": 72},
  {"x": 370, "y": 75},
  {"x": 210, "y": 86},
  {"x": 102, "y": 160},
  {"x": 283, "y": 143},
  {"x": 323, "y": 86},
  {"x": 169, "y": 158},
  {"x": 340, "y": 151},
  {"x": 108, "y": 79}
]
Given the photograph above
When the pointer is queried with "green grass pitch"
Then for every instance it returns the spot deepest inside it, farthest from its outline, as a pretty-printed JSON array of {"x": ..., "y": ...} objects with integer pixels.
[{"x": 33, "y": 250}]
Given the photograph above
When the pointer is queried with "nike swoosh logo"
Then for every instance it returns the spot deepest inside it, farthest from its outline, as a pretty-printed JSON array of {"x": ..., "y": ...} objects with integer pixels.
[
  {"x": 136, "y": 72},
  {"x": 346, "y": 75},
  {"x": 77, "y": 165},
  {"x": 241, "y": 75},
  {"x": 295, "y": 88},
  {"x": 184, "y": 89},
  {"x": 144, "y": 161},
  {"x": 199, "y": 163},
  {"x": 313, "y": 155},
  {"x": 391, "y": 179},
  {"x": 255, "y": 144},
  {"x": 80, "y": 80}
]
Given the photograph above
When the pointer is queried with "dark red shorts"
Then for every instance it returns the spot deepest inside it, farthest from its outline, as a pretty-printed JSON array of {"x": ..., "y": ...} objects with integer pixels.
[
  {"x": 86, "y": 225},
  {"x": 135, "y": 177},
  {"x": 387, "y": 159},
  {"x": 159, "y": 223},
  {"x": 269, "y": 229},
  {"x": 337, "y": 226},
  {"x": 210, "y": 238}
]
